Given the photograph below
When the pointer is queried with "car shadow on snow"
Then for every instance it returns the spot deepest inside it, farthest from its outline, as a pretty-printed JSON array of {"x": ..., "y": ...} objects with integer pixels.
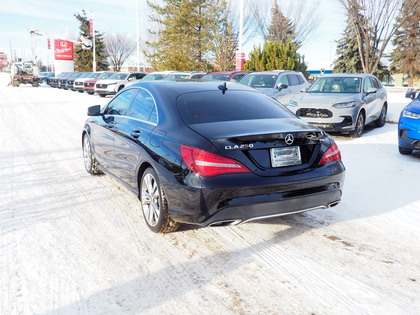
[{"x": 208, "y": 276}]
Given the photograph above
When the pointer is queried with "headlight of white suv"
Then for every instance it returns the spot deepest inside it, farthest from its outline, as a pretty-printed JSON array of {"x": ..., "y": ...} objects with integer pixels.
[
  {"x": 345, "y": 105},
  {"x": 293, "y": 103},
  {"x": 408, "y": 114},
  {"x": 112, "y": 83}
]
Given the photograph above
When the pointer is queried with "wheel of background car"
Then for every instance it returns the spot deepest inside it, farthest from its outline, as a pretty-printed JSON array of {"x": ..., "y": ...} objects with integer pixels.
[
  {"x": 88, "y": 158},
  {"x": 380, "y": 122},
  {"x": 120, "y": 88},
  {"x": 360, "y": 124},
  {"x": 404, "y": 150},
  {"x": 80, "y": 91},
  {"x": 154, "y": 204},
  {"x": 102, "y": 95}
]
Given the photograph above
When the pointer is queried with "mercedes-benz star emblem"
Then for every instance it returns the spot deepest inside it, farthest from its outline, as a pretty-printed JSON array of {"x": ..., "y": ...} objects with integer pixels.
[{"x": 289, "y": 139}]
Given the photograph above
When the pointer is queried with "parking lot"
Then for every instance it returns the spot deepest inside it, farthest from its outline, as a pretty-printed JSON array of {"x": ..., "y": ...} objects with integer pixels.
[{"x": 72, "y": 243}]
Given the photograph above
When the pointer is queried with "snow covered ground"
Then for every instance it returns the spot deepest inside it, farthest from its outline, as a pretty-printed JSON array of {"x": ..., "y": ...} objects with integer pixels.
[{"x": 72, "y": 243}]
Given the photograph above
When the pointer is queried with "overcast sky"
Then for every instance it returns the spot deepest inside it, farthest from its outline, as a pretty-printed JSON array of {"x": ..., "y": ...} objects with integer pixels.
[{"x": 57, "y": 16}]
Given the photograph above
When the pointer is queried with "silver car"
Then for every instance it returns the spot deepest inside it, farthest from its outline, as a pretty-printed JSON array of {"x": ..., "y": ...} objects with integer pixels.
[
  {"x": 281, "y": 85},
  {"x": 343, "y": 103}
]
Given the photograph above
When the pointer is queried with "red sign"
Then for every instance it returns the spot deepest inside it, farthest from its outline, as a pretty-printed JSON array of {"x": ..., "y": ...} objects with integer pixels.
[
  {"x": 240, "y": 60},
  {"x": 63, "y": 50},
  {"x": 91, "y": 28}
]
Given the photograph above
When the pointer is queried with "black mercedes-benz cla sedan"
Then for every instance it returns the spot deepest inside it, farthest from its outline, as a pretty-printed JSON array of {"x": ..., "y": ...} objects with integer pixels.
[{"x": 211, "y": 154}]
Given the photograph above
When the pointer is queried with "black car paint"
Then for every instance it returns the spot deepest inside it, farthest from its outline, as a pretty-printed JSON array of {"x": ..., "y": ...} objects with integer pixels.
[{"x": 126, "y": 147}]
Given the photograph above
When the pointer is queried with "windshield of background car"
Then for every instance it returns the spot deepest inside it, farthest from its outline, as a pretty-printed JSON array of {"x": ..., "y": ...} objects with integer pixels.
[
  {"x": 214, "y": 106},
  {"x": 119, "y": 76},
  {"x": 153, "y": 77},
  {"x": 86, "y": 75},
  {"x": 222, "y": 77},
  {"x": 104, "y": 76},
  {"x": 259, "y": 80},
  {"x": 336, "y": 85},
  {"x": 176, "y": 76}
]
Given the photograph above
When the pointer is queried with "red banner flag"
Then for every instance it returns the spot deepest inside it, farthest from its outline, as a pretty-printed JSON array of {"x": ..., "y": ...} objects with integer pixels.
[{"x": 91, "y": 28}]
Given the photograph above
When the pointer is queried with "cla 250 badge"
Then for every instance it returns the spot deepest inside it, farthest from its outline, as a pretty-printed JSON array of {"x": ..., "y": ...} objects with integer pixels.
[{"x": 239, "y": 147}]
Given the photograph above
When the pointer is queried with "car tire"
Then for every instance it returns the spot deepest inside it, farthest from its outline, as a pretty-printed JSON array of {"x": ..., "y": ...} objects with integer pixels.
[
  {"x": 120, "y": 88},
  {"x": 404, "y": 150},
  {"x": 90, "y": 93},
  {"x": 88, "y": 157},
  {"x": 380, "y": 122},
  {"x": 360, "y": 124},
  {"x": 154, "y": 204},
  {"x": 80, "y": 91},
  {"x": 102, "y": 95}
]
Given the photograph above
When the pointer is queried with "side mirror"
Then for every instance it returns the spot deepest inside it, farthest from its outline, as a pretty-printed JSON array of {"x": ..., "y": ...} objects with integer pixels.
[
  {"x": 410, "y": 94},
  {"x": 371, "y": 90},
  {"x": 282, "y": 86},
  {"x": 94, "y": 110},
  {"x": 303, "y": 90}
]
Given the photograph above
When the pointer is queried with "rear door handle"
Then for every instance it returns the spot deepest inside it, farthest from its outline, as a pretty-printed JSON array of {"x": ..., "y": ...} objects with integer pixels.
[{"x": 136, "y": 134}]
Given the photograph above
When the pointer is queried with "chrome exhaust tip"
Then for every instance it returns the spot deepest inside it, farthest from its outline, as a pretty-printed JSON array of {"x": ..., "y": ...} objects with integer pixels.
[
  {"x": 225, "y": 223},
  {"x": 333, "y": 204}
]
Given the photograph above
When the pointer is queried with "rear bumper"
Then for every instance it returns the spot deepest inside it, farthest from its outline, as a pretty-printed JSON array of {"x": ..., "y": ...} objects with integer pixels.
[{"x": 228, "y": 204}]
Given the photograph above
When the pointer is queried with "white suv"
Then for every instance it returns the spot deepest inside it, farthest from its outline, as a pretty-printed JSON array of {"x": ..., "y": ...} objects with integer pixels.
[
  {"x": 281, "y": 85},
  {"x": 116, "y": 82}
]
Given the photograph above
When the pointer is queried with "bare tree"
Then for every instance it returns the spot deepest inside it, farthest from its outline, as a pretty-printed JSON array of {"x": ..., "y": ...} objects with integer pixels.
[
  {"x": 119, "y": 48},
  {"x": 304, "y": 18},
  {"x": 375, "y": 22}
]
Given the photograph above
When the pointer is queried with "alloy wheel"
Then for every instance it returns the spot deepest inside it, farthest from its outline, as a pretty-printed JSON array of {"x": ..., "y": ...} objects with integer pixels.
[{"x": 150, "y": 199}]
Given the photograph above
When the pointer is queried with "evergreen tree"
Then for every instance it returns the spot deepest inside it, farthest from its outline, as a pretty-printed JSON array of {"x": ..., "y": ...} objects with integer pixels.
[
  {"x": 281, "y": 29},
  {"x": 405, "y": 57},
  {"x": 83, "y": 59},
  {"x": 348, "y": 60},
  {"x": 184, "y": 36},
  {"x": 225, "y": 40},
  {"x": 276, "y": 56}
]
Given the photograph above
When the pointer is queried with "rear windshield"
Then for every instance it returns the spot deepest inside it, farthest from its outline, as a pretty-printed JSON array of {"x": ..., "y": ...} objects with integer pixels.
[
  {"x": 260, "y": 80},
  {"x": 213, "y": 106},
  {"x": 153, "y": 77},
  {"x": 222, "y": 77}
]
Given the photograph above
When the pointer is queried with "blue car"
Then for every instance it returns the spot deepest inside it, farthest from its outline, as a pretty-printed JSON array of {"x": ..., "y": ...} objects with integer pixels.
[{"x": 409, "y": 125}]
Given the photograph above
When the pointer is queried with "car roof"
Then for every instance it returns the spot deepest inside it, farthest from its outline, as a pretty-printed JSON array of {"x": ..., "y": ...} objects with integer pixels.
[
  {"x": 352, "y": 75},
  {"x": 272, "y": 72},
  {"x": 225, "y": 72},
  {"x": 188, "y": 86}
]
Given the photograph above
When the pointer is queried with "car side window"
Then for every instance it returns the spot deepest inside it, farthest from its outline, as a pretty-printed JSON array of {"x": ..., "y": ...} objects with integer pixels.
[
  {"x": 375, "y": 83},
  {"x": 367, "y": 84},
  {"x": 120, "y": 103},
  {"x": 237, "y": 77},
  {"x": 293, "y": 79},
  {"x": 284, "y": 80},
  {"x": 143, "y": 107},
  {"x": 301, "y": 80}
]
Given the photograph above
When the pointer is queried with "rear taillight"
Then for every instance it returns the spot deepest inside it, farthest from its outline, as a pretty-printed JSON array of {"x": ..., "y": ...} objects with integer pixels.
[
  {"x": 332, "y": 154},
  {"x": 208, "y": 164}
]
